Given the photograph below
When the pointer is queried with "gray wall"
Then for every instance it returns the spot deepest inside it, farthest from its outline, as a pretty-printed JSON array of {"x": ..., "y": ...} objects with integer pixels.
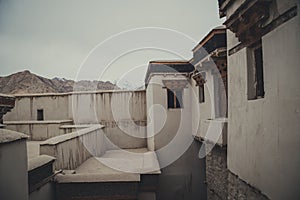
[
  {"x": 13, "y": 183},
  {"x": 46, "y": 192}
]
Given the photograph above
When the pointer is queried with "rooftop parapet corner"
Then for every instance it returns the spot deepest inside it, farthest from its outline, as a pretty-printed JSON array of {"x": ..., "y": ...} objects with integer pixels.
[
  {"x": 7, "y": 136},
  {"x": 39, "y": 161}
]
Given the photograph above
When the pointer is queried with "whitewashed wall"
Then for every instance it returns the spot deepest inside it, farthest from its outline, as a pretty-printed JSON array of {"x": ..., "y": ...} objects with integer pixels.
[
  {"x": 73, "y": 149},
  {"x": 169, "y": 130},
  {"x": 205, "y": 125},
  {"x": 122, "y": 112},
  {"x": 55, "y": 107},
  {"x": 264, "y": 133}
]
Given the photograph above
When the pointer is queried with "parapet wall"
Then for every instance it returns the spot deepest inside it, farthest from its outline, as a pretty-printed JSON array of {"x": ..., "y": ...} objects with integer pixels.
[
  {"x": 72, "y": 149},
  {"x": 122, "y": 112},
  {"x": 38, "y": 130},
  {"x": 84, "y": 107}
]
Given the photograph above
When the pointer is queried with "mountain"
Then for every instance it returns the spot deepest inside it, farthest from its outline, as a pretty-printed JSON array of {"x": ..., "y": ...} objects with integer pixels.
[{"x": 26, "y": 82}]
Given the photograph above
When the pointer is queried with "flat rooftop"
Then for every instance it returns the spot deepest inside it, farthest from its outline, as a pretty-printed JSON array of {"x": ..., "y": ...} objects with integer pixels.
[{"x": 115, "y": 166}]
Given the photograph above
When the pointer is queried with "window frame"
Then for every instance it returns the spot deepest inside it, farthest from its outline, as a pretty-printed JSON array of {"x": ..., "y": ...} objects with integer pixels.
[
  {"x": 175, "y": 98},
  {"x": 255, "y": 72}
]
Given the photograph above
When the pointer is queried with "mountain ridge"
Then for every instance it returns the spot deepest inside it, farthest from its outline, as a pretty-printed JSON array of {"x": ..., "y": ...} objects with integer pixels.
[{"x": 26, "y": 82}]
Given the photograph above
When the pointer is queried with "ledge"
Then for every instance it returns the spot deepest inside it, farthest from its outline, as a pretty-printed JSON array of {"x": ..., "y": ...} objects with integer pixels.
[
  {"x": 37, "y": 122},
  {"x": 77, "y": 126},
  {"x": 69, "y": 136},
  {"x": 76, "y": 93},
  {"x": 97, "y": 178},
  {"x": 219, "y": 120},
  {"x": 7, "y": 95}
]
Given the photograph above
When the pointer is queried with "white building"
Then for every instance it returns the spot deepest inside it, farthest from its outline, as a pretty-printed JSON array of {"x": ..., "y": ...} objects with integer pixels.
[{"x": 264, "y": 94}]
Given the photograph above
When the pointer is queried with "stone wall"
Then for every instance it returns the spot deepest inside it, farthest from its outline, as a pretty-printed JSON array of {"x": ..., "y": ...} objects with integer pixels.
[
  {"x": 217, "y": 173},
  {"x": 224, "y": 185}
]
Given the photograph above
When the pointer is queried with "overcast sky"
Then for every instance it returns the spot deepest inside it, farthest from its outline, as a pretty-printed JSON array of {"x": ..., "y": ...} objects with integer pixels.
[{"x": 53, "y": 38}]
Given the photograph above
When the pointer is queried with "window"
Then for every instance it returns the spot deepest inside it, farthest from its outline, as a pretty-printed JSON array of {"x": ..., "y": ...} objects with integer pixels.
[
  {"x": 200, "y": 79},
  {"x": 255, "y": 72},
  {"x": 40, "y": 114},
  {"x": 201, "y": 94},
  {"x": 175, "y": 98}
]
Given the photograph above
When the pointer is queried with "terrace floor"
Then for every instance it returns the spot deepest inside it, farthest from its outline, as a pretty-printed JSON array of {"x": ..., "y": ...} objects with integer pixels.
[
  {"x": 139, "y": 161},
  {"x": 115, "y": 166}
]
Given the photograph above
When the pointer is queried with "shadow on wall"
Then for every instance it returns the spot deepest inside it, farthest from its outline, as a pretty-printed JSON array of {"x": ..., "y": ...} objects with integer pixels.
[{"x": 185, "y": 178}]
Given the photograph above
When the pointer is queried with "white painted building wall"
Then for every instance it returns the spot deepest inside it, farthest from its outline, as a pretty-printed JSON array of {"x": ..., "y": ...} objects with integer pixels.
[
  {"x": 205, "y": 125},
  {"x": 55, "y": 107},
  {"x": 204, "y": 111},
  {"x": 122, "y": 112},
  {"x": 169, "y": 130},
  {"x": 264, "y": 135}
]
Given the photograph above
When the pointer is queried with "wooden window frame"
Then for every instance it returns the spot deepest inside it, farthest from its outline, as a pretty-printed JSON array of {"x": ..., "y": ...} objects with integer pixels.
[
  {"x": 176, "y": 102},
  {"x": 255, "y": 72},
  {"x": 201, "y": 93}
]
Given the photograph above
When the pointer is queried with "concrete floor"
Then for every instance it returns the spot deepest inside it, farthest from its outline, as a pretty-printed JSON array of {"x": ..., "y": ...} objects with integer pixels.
[
  {"x": 136, "y": 161},
  {"x": 114, "y": 166}
]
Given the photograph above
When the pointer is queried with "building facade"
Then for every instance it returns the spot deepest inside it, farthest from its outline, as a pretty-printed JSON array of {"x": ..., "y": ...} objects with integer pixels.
[{"x": 263, "y": 94}]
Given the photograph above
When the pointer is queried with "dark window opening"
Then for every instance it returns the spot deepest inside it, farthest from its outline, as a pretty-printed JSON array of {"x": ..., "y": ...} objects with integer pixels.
[
  {"x": 40, "y": 114},
  {"x": 175, "y": 98},
  {"x": 201, "y": 94},
  {"x": 255, "y": 72},
  {"x": 258, "y": 55}
]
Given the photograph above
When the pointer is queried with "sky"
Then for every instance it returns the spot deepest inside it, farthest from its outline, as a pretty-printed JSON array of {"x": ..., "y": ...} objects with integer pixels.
[{"x": 100, "y": 39}]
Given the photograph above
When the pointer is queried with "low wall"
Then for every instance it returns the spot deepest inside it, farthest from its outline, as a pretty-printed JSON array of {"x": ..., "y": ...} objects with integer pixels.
[
  {"x": 72, "y": 149},
  {"x": 38, "y": 130},
  {"x": 117, "y": 110},
  {"x": 126, "y": 134},
  {"x": 123, "y": 113},
  {"x": 64, "y": 129},
  {"x": 40, "y": 175}
]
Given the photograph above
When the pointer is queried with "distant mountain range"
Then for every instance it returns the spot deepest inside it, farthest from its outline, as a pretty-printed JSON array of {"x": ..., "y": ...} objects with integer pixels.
[{"x": 26, "y": 82}]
